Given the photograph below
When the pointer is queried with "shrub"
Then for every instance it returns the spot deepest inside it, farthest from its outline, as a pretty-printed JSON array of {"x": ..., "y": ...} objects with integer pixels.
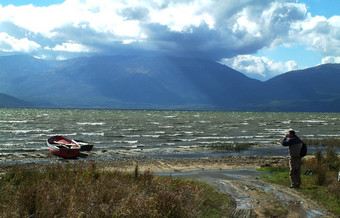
[
  {"x": 321, "y": 174},
  {"x": 318, "y": 156},
  {"x": 332, "y": 159}
]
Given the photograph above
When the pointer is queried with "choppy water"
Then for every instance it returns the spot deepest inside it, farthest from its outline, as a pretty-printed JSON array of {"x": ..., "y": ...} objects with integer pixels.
[{"x": 23, "y": 132}]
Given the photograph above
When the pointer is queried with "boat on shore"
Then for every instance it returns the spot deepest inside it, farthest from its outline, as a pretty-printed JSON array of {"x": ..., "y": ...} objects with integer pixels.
[
  {"x": 63, "y": 147},
  {"x": 84, "y": 146}
]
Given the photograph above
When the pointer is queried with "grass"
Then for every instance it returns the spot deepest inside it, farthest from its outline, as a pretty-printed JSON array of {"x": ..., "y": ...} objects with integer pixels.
[
  {"x": 221, "y": 146},
  {"x": 85, "y": 191},
  {"x": 323, "y": 142},
  {"x": 321, "y": 185},
  {"x": 276, "y": 209}
]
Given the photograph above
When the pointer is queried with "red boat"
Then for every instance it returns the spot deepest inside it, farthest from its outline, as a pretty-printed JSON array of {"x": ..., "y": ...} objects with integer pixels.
[{"x": 63, "y": 147}]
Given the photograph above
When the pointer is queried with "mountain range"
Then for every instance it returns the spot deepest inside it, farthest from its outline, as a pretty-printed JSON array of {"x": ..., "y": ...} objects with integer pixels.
[
  {"x": 10, "y": 101},
  {"x": 160, "y": 82}
]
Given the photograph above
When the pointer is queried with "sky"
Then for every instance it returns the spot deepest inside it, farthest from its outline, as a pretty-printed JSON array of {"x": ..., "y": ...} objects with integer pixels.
[{"x": 260, "y": 38}]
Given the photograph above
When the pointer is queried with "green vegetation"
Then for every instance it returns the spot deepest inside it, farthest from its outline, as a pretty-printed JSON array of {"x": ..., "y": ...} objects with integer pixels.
[
  {"x": 221, "y": 146},
  {"x": 321, "y": 184},
  {"x": 86, "y": 191},
  {"x": 323, "y": 142},
  {"x": 276, "y": 209}
]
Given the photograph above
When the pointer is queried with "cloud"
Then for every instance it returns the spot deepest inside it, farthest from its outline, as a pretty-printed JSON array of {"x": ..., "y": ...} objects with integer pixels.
[
  {"x": 12, "y": 44},
  {"x": 330, "y": 60},
  {"x": 226, "y": 30},
  {"x": 260, "y": 68},
  {"x": 34, "y": 19},
  {"x": 70, "y": 47},
  {"x": 319, "y": 34},
  {"x": 194, "y": 28}
]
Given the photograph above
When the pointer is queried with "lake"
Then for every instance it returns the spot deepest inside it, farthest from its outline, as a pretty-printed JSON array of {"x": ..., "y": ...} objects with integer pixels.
[{"x": 148, "y": 133}]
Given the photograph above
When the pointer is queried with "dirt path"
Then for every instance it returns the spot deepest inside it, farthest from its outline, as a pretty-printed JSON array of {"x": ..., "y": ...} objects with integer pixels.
[{"x": 254, "y": 197}]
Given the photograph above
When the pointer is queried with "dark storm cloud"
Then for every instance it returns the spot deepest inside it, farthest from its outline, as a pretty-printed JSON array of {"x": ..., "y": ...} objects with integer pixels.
[{"x": 224, "y": 28}]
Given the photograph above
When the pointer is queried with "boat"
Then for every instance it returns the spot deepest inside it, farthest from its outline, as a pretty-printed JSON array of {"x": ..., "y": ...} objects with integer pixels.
[
  {"x": 84, "y": 146},
  {"x": 63, "y": 147}
]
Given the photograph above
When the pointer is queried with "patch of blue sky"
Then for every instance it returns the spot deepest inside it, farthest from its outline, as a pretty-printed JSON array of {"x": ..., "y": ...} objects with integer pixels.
[
  {"x": 303, "y": 56},
  {"x": 326, "y": 8},
  {"x": 41, "y": 3}
]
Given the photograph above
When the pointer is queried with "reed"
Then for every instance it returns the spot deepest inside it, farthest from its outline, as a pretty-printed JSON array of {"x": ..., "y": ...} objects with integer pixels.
[
  {"x": 86, "y": 191},
  {"x": 323, "y": 142}
]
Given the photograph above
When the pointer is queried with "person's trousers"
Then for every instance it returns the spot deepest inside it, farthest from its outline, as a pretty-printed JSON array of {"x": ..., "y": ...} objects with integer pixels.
[{"x": 295, "y": 171}]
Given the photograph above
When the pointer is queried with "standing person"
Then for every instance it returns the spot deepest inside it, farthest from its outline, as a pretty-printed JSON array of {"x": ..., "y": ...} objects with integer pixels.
[{"x": 295, "y": 145}]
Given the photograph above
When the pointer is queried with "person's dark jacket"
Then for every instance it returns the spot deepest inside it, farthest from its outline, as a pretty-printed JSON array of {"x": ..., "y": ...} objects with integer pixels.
[{"x": 294, "y": 144}]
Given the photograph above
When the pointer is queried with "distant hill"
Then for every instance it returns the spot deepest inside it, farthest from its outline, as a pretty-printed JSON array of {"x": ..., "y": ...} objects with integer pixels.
[
  {"x": 9, "y": 101},
  {"x": 165, "y": 83},
  {"x": 312, "y": 89}
]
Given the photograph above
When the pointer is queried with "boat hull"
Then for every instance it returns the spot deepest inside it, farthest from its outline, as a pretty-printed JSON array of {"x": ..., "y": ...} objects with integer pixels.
[
  {"x": 84, "y": 146},
  {"x": 63, "y": 147}
]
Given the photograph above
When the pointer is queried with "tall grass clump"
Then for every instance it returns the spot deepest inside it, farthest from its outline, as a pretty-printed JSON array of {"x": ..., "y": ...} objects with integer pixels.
[
  {"x": 325, "y": 168},
  {"x": 332, "y": 159},
  {"x": 86, "y": 191}
]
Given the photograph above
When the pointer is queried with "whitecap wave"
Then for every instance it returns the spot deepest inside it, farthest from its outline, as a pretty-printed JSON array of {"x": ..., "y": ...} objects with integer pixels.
[
  {"x": 131, "y": 142},
  {"x": 92, "y": 133},
  {"x": 91, "y": 124},
  {"x": 13, "y": 121}
]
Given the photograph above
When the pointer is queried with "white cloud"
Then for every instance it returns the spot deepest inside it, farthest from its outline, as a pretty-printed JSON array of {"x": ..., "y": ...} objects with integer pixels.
[
  {"x": 330, "y": 59},
  {"x": 244, "y": 24},
  {"x": 179, "y": 17},
  {"x": 61, "y": 58},
  {"x": 12, "y": 44},
  {"x": 261, "y": 68},
  {"x": 70, "y": 47},
  {"x": 100, "y": 15},
  {"x": 319, "y": 34},
  {"x": 35, "y": 19}
]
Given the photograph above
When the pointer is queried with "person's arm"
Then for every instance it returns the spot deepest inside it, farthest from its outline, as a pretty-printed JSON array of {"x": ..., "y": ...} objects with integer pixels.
[{"x": 285, "y": 141}]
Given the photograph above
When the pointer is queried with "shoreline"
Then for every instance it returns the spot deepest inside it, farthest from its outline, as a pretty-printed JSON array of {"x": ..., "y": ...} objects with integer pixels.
[
  {"x": 128, "y": 164},
  {"x": 176, "y": 155},
  {"x": 262, "y": 153}
]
